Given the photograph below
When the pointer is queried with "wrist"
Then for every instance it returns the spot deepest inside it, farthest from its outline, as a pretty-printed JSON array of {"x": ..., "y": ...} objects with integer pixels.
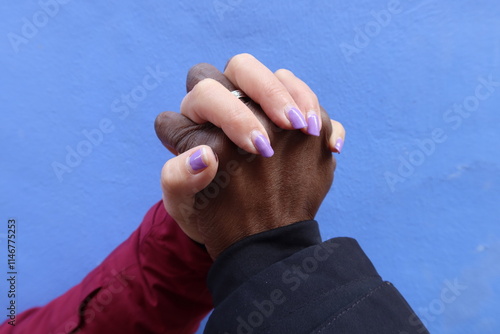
[{"x": 218, "y": 238}]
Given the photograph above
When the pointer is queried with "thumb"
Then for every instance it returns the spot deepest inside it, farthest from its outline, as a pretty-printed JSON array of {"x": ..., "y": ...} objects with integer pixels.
[
  {"x": 173, "y": 130},
  {"x": 181, "y": 178}
]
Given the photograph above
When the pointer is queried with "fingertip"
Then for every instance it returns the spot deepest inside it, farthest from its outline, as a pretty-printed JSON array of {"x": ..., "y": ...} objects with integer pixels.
[
  {"x": 339, "y": 144},
  {"x": 195, "y": 161},
  {"x": 262, "y": 144},
  {"x": 189, "y": 172},
  {"x": 296, "y": 117},
  {"x": 313, "y": 123},
  {"x": 200, "y": 158},
  {"x": 337, "y": 138}
]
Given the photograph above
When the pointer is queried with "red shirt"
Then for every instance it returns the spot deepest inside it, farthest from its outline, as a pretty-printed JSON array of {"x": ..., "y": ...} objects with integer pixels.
[{"x": 154, "y": 282}]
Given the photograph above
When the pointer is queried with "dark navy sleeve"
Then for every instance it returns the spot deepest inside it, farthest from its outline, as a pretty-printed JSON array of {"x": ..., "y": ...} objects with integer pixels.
[{"x": 287, "y": 281}]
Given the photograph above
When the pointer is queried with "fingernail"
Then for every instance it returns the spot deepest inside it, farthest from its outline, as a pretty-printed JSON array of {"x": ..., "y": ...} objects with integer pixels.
[
  {"x": 339, "y": 144},
  {"x": 313, "y": 124},
  {"x": 196, "y": 161},
  {"x": 262, "y": 145},
  {"x": 296, "y": 118}
]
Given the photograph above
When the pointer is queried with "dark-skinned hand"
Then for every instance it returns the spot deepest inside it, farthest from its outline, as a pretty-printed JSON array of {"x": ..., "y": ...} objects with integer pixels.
[{"x": 249, "y": 193}]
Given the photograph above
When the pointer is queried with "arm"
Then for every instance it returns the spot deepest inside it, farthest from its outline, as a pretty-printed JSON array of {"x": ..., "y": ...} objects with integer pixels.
[
  {"x": 267, "y": 284},
  {"x": 154, "y": 282},
  {"x": 272, "y": 274}
]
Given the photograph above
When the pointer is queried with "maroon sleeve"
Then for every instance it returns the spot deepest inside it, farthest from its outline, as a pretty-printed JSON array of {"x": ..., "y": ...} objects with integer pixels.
[{"x": 155, "y": 282}]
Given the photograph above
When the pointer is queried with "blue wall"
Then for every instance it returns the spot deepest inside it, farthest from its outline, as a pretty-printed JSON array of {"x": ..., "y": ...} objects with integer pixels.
[{"x": 418, "y": 181}]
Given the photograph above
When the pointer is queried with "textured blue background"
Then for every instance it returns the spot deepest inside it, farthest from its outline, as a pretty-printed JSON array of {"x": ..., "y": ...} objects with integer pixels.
[{"x": 432, "y": 222}]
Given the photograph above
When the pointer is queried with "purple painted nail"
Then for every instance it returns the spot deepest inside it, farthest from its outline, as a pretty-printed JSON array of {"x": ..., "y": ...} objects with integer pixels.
[
  {"x": 196, "y": 161},
  {"x": 313, "y": 124},
  {"x": 262, "y": 145},
  {"x": 296, "y": 118},
  {"x": 339, "y": 144}
]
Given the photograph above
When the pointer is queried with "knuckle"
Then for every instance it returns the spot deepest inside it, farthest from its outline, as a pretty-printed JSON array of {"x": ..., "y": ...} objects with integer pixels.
[
  {"x": 313, "y": 99},
  {"x": 283, "y": 72},
  {"x": 244, "y": 56},
  {"x": 195, "y": 75},
  {"x": 305, "y": 95},
  {"x": 196, "y": 69},
  {"x": 271, "y": 89},
  {"x": 167, "y": 182},
  {"x": 185, "y": 142},
  {"x": 236, "y": 118},
  {"x": 205, "y": 88},
  {"x": 239, "y": 60}
]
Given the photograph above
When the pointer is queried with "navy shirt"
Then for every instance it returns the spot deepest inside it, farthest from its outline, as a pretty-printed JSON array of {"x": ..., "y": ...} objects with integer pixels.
[{"x": 287, "y": 281}]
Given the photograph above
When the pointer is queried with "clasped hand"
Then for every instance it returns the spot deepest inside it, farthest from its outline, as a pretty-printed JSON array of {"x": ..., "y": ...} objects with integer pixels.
[{"x": 223, "y": 186}]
